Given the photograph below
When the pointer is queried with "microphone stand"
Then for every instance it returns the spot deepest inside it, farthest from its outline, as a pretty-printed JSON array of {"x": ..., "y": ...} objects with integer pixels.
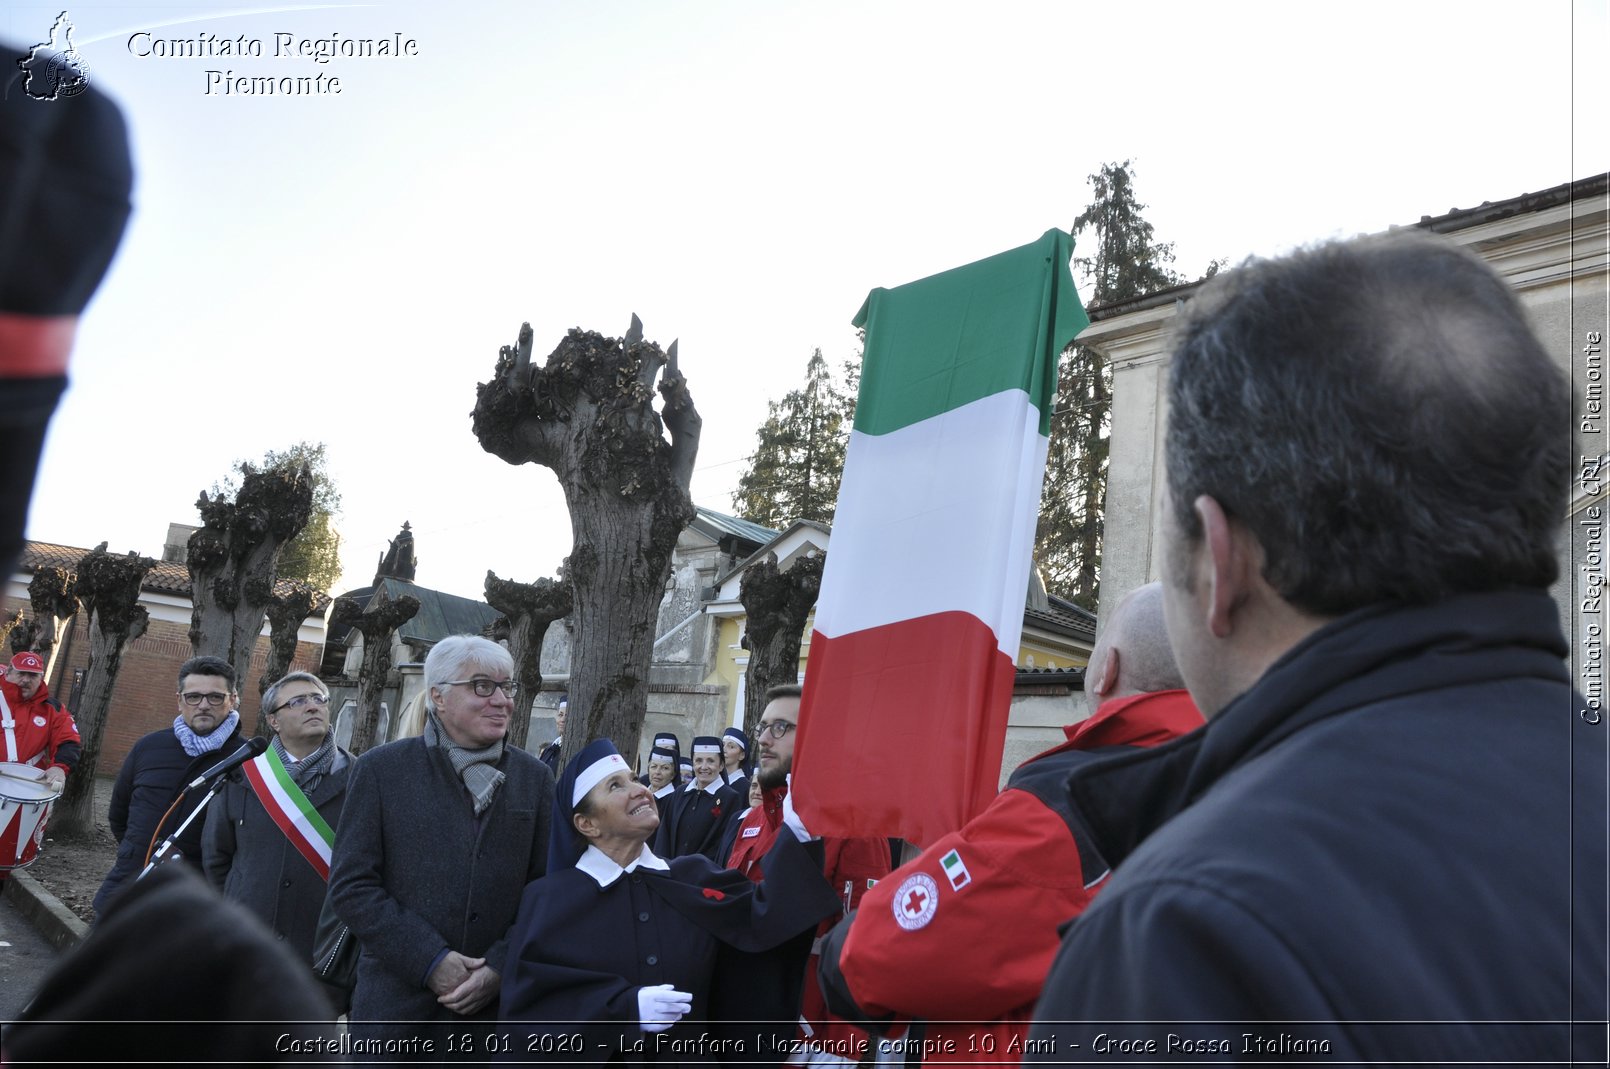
[{"x": 167, "y": 844}]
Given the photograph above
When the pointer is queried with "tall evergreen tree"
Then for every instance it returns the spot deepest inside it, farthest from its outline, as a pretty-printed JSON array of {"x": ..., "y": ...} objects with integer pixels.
[
  {"x": 799, "y": 451},
  {"x": 1125, "y": 262}
]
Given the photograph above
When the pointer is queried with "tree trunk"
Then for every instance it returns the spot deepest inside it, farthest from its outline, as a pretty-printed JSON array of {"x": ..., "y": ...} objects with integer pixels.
[
  {"x": 52, "y": 594},
  {"x": 233, "y": 556},
  {"x": 285, "y": 615},
  {"x": 376, "y": 624},
  {"x": 110, "y": 589},
  {"x": 9, "y": 622},
  {"x": 589, "y": 415},
  {"x": 529, "y": 609},
  {"x": 776, "y": 604}
]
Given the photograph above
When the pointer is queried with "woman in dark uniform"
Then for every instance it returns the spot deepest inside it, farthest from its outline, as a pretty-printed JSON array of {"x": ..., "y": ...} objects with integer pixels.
[{"x": 615, "y": 950}]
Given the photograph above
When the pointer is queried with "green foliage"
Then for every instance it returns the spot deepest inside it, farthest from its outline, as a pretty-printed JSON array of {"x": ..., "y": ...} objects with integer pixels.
[
  {"x": 314, "y": 555},
  {"x": 799, "y": 451},
  {"x": 1125, "y": 262}
]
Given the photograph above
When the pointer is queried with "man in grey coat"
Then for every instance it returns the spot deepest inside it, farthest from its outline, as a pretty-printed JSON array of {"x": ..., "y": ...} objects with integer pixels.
[
  {"x": 246, "y": 851},
  {"x": 439, "y": 836}
]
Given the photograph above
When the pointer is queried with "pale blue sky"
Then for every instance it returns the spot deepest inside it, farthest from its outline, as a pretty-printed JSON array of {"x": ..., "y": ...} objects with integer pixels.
[{"x": 344, "y": 268}]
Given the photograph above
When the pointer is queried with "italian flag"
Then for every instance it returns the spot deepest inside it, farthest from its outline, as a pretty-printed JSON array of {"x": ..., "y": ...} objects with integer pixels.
[{"x": 909, "y": 681}]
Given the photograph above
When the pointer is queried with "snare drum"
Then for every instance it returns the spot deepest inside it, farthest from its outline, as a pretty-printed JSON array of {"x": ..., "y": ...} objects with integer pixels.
[{"x": 25, "y": 803}]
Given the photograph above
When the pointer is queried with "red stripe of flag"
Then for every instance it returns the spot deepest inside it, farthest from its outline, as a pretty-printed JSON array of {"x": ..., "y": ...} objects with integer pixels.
[{"x": 878, "y": 754}]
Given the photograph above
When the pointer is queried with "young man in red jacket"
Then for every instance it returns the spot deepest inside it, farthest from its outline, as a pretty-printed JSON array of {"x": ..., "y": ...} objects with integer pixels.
[
  {"x": 850, "y": 865},
  {"x": 967, "y": 931}
]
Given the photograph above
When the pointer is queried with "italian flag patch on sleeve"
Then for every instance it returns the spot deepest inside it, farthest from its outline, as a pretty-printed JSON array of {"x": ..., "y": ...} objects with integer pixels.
[{"x": 955, "y": 871}]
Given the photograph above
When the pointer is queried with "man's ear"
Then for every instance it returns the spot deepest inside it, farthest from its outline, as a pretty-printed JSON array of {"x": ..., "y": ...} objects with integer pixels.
[
  {"x": 1105, "y": 678},
  {"x": 1232, "y": 564}
]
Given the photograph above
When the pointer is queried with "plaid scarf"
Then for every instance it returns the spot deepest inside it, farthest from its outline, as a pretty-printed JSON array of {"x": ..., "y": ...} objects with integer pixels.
[
  {"x": 307, "y": 772},
  {"x": 196, "y": 745},
  {"x": 474, "y": 767}
]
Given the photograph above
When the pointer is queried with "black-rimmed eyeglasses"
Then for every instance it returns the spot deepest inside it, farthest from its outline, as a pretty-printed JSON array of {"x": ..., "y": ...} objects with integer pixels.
[
  {"x": 214, "y": 700},
  {"x": 483, "y": 688},
  {"x": 776, "y": 728}
]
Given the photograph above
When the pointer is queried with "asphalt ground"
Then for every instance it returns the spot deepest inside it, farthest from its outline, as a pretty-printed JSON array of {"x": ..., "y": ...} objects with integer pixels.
[{"x": 25, "y": 956}]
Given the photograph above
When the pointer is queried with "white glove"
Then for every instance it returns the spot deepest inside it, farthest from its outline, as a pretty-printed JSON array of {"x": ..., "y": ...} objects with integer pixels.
[
  {"x": 791, "y": 818},
  {"x": 56, "y": 778},
  {"x": 661, "y": 1006}
]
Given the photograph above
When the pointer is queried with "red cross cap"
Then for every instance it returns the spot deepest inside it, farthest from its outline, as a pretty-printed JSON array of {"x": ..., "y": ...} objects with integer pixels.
[{"x": 915, "y": 901}]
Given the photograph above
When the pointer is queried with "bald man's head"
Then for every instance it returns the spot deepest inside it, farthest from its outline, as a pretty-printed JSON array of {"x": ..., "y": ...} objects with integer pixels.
[{"x": 1132, "y": 654}]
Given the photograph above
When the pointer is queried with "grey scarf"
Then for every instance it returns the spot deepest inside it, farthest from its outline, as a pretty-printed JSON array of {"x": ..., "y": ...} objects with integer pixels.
[
  {"x": 307, "y": 772},
  {"x": 474, "y": 767}
]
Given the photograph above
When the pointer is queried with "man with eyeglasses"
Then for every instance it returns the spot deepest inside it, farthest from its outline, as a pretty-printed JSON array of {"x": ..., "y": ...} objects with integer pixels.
[
  {"x": 268, "y": 838},
  {"x": 205, "y": 731},
  {"x": 850, "y": 865},
  {"x": 439, "y": 836}
]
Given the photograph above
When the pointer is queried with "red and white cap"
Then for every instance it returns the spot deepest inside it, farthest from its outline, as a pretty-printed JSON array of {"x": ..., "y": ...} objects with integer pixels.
[{"x": 28, "y": 661}]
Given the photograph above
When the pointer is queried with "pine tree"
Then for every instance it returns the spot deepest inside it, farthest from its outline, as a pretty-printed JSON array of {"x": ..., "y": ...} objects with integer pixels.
[
  {"x": 1126, "y": 262},
  {"x": 799, "y": 451}
]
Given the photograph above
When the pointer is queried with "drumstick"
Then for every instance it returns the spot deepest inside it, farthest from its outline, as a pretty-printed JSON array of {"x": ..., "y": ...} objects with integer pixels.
[{"x": 40, "y": 778}]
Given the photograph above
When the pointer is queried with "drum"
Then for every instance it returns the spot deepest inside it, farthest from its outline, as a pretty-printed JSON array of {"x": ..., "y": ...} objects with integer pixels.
[{"x": 25, "y": 802}]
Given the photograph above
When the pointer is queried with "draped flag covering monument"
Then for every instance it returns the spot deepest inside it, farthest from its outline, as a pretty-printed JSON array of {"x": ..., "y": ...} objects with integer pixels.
[{"x": 903, "y": 719}]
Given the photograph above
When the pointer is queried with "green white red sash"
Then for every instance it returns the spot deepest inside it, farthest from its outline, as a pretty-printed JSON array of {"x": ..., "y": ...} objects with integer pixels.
[{"x": 288, "y": 806}]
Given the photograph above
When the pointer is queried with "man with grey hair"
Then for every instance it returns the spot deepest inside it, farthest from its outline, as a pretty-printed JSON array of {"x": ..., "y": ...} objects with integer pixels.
[
  {"x": 439, "y": 837},
  {"x": 966, "y": 931},
  {"x": 1388, "y": 844},
  {"x": 268, "y": 836}
]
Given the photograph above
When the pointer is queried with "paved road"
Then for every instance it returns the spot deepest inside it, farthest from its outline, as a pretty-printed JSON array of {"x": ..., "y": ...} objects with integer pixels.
[{"x": 25, "y": 957}]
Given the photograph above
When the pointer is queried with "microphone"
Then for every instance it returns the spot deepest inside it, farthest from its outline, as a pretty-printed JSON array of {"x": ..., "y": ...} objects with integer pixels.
[{"x": 254, "y": 747}]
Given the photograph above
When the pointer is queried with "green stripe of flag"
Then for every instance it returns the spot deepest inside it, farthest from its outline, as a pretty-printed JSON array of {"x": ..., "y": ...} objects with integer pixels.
[{"x": 953, "y": 338}]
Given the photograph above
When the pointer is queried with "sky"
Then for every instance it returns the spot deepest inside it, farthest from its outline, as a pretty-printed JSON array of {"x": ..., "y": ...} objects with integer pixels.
[{"x": 343, "y": 267}]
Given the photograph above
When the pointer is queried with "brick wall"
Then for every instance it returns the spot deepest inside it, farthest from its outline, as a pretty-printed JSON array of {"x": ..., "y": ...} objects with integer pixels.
[{"x": 144, "y": 698}]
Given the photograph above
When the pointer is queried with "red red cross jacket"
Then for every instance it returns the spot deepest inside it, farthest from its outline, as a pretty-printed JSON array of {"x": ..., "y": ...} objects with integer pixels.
[
  {"x": 967, "y": 931},
  {"x": 38, "y": 732}
]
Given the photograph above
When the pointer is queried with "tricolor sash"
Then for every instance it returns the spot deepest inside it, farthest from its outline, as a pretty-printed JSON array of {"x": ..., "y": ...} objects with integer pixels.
[{"x": 288, "y": 806}]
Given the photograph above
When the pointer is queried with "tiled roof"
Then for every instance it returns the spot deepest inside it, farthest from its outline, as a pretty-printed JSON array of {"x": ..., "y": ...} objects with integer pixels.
[{"x": 166, "y": 578}]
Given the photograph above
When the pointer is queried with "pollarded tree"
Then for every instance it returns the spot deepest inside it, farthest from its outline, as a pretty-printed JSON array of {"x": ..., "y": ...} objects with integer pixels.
[
  {"x": 776, "y": 604},
  {"x": 233, "y": 559},
  {"x": 529, "y": 609},
  {"x": 799, "y": 452},
  {"x": 588, "y": 414},
  {"x": 1126, "y": 263},
  {"x": 376, "y": 622},
  {"x": 109, "y": 587},
  {"x": 53, "y": 597},
  {"x": 313, "y": 556},
  {"x": 286, "y": 610}
]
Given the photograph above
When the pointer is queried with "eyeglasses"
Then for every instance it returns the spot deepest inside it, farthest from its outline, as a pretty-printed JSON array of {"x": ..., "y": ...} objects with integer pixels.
[
  {"x": 212, "y": 699},
  {"x": 777, "y": 728},
  {"x": 484, "y": 687},
  {"x": 302, "y": 701}
]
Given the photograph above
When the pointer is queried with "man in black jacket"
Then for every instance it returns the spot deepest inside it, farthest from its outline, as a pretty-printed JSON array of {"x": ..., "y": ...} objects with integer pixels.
[
  {"x": 1388, "y": 843},
  {"x": 205, "y": 731}
]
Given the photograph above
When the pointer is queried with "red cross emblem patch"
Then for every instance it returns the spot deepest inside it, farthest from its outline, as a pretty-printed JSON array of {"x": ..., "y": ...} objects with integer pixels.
[{"x": 916, "y": 901}]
